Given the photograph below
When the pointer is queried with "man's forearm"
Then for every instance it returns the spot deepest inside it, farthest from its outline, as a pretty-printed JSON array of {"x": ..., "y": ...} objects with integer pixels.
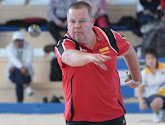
[
  {"x": 75, "y": 58},
  {"x": 133, "y": 64}
]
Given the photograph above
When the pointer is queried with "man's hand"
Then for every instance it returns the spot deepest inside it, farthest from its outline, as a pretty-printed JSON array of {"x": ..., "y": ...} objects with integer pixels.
[
  {"x": 131, "y": 84},
  {"x": 129, "y": 81},
  {"x": 99, "y": 59}
]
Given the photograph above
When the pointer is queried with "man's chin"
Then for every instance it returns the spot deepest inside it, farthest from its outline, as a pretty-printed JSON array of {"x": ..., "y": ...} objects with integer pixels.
[{"x": 78, "y": 39}]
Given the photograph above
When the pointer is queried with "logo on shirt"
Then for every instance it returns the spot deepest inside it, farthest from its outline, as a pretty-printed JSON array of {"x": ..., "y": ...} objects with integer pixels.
[{"x": 104, "y": 50}]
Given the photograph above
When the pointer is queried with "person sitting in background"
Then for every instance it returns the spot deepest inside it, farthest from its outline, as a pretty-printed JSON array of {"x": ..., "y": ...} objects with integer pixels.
[
  {"x": 155, "y": 24},
  {"x": 99, "y": 12},
  {"x": 162, "y": 2},
  {"x": 20, "y": 58},
  {"x": 57, "y": 12},
  {"x": 153, "y": 77},
  {"x": 147, "y": 10}
]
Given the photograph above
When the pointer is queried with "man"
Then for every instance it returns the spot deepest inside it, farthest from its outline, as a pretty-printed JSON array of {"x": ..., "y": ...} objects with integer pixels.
[
  {"x": 90, "y": 79},
  {"x": 20, "y": 71}
]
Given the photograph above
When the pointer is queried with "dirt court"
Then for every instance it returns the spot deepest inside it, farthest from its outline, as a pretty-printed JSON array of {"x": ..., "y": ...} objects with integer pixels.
[{"x": 57, "y": 119}]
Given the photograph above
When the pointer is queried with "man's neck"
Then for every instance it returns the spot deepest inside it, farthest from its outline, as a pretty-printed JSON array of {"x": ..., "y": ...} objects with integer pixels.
[{"x": 91, "y": 41}]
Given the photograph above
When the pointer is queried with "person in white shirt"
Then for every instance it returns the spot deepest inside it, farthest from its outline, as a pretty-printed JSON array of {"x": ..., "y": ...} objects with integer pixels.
[
  {"x": 152, "y": 91},
  {"x": 20, "y": 58}
]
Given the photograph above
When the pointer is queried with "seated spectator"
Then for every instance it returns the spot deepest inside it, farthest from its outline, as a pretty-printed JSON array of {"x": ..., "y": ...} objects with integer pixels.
[
  {"x": 155, "y": 24},
  {"x": 57, "y": 12},
  {"x": 147, "y": 10},
  {"x": 162, "y": 2},
  {"x": 20, "y": 71},
  {"x": 151, "y": 91},
  {"x": 99, "y": 12}
]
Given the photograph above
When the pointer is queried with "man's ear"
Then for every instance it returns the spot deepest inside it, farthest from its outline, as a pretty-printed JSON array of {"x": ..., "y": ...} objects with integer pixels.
[{"x": 92, "y": 21}]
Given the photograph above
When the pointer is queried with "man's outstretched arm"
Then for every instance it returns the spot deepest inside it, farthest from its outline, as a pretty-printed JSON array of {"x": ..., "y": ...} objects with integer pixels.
[{"x": 77, "y": 58}]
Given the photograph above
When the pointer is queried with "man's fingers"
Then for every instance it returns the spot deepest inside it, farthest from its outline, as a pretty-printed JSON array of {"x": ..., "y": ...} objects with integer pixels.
[
  {"x": 98, "y": 59},
  {"x": 102, "y": 65},
  {"x": 103, "y": 58}
]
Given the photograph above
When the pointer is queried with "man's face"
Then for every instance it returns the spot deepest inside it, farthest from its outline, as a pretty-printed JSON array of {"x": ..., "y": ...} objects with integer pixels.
[
  {"x": 18, "y": 43},
  {"x": 80, "y": 24}
]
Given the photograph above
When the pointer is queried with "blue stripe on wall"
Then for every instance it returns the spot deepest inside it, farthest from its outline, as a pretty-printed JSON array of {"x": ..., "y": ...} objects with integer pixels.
[
  {"x": 31, "y": 108},
  {"x": 8, "y": 28},
  {"x": 121, "y": 65},
  {"x": 127, "y": 92},
  {"x": 134, "y": 108},
  {"x": 44, "y": 28},
  {"x": 52, "y": 108}
]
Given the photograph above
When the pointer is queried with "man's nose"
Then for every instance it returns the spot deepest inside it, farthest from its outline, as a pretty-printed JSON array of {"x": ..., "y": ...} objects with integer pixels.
[{"x": 77, "y": 25}]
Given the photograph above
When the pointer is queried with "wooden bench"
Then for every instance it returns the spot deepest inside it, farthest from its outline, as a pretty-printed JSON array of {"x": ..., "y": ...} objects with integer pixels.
[{"x": 45, "y": 89}]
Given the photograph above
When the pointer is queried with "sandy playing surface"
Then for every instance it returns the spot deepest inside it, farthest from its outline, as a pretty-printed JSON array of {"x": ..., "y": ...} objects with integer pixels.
[{"x": 57, "y": 119}]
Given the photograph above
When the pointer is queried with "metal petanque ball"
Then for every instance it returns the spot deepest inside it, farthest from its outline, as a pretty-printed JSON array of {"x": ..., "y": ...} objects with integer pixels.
[{"x": 34, "y": 30}]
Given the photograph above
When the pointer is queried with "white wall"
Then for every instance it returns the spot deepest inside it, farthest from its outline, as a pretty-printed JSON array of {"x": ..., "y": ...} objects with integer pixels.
[{"x": 122, "y": 2}]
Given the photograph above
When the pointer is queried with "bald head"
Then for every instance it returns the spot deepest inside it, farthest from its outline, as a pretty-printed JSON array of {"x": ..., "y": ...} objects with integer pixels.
[{"x": 80, "y": 5}]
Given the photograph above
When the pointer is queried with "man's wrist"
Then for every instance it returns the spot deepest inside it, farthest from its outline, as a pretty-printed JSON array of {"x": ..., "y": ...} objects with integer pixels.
[{"x": 137, "y": 82}]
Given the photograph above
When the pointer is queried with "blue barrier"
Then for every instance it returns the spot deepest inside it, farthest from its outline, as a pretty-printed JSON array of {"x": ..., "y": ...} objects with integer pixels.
[
  {"x": 134, "y": 108},
  {"x": 52, "y": 108},
  {"x": 8, "y": 28},
  {"x": 121, "y": 65},
  {"x": 127, "y": 92},
  {"x": 44, "y": 28},
  {"x": 31, "y": 108},
  {"x": 119, "y": 28}
]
